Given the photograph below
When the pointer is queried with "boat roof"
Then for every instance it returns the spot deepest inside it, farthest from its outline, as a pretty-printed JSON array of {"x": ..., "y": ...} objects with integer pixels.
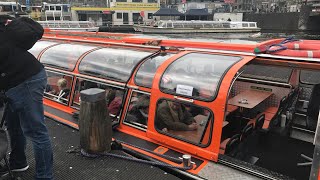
[{"x": 133, "y": 40}]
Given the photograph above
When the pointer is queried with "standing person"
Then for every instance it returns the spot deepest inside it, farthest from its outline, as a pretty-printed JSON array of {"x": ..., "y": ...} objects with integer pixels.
[{"x": 24, "y": 79}]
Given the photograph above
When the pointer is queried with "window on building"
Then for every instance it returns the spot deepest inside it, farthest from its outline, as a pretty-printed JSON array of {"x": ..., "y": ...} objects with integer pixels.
[
  {"x": 119, "y": 15},
  {"x": 58, "y": 87},
  {"x": 150, "y": 15},
  {"x": 58, "y": 8},
  {"x": 121, "y": 0},
  {"x": 138, "y": 110},
  {"x": 184, "y": 121},
  {"x": 152, "y": 1},
  {"x": 136, "y": 0}
]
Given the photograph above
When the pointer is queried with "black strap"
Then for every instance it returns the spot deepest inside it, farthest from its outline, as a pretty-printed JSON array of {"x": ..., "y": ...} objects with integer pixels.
[{"x": 4, "y": 115}]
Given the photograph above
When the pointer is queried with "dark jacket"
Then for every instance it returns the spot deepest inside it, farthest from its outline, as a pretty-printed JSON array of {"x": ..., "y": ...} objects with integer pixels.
[
  {"x": 165, "y": 119},
  {"x": 16, "y": 63}
]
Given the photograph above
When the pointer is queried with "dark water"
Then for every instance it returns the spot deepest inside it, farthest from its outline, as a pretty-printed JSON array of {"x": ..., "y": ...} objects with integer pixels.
[{"x": 247, "y": 38}]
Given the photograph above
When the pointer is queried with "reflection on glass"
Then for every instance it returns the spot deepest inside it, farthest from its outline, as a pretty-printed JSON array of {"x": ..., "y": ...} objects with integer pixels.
[
  {"x": 270, "y": 73},
  {"x": 111, "y": 63},
  {"x": 58, "y": 87},
  {"x": 147, "y": 70},
  {"x": 39, "y": 46},
  {"x": 185, "y": 121},
  {"x": 114, "y": 96},
  {"x": 310, "y": 77},
  {"x": 138, "y": 109},
  {"x": 64, "y": 55},
  {"x": 196, "y": 75}
]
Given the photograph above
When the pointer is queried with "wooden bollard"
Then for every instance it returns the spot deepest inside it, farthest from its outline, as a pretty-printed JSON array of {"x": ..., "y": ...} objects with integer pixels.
[{"x": 94, "y": 122}]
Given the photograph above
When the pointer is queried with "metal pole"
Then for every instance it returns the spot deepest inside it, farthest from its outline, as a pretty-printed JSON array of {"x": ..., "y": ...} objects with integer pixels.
[{"x": 315, "y": 174}]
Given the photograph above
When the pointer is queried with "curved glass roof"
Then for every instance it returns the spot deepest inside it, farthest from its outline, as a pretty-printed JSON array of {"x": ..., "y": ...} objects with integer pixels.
[
  {"x": 112, "y": 63},
  {"x": 196, "y": 75},
  {"x": 147, "y": 70},
  {"x": 64, "y": 55},
  {"x": 39, "y": 46}
]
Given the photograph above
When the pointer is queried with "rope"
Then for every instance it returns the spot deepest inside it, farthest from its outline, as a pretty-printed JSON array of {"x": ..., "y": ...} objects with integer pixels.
[
  {"x": 159, "y": 164},
  {"x": 280, "y": 46}
]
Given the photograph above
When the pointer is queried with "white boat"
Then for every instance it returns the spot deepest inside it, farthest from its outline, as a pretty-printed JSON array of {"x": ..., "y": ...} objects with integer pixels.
[
  {"x": 169, "y": 26},
  {"x": 70, "y": 25}
]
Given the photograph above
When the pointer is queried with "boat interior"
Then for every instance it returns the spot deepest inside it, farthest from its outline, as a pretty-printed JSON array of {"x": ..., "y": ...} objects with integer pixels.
[
  {"x": 278, "y": 132},
  {"x": 261, "y": 112}
]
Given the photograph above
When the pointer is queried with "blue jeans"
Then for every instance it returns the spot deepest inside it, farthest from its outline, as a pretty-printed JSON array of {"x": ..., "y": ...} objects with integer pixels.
[{"x": 25, "y": 118}]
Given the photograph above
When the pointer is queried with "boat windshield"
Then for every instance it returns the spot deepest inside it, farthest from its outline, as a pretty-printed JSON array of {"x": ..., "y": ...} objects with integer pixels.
[
  {"x": 64, "y": 55},
  {"x": 147, "y": 70},
  {"x": 112, "y": 63},
  {"x": 196, "y": 75},
  {"x": 39, "y": 46}
]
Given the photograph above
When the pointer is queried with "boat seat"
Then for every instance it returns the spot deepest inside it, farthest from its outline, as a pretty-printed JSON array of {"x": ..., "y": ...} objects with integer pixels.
[
  {"x": 258, "y": 121},
  {"x": 281, "y": 106},
  {"x": 229, "y": 144},
  {"x": 246, "y": 131},
  {"x": 231, "y": 108}
]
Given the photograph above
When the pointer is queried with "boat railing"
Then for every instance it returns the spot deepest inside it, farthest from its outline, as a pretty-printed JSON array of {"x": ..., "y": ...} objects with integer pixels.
[
  {"x": 202, "y": 24},
  {"x": 66, "y": 24}
]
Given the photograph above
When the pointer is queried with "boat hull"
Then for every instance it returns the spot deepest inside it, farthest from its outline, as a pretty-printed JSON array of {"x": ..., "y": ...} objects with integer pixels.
[{"x": 149, "y": 29}]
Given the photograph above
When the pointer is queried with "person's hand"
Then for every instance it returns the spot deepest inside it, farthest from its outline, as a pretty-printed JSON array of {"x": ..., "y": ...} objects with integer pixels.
[
  {"x": 193, "y": 126},
  {"x": 8, "y": 22},
  {"x": 165, "y": 130}
]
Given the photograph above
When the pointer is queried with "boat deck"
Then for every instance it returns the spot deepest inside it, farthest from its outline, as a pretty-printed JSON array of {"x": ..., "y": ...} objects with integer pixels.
[{"x": 74, "y": 166}]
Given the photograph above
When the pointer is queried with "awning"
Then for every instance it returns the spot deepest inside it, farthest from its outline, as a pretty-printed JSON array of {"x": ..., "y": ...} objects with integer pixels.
[
  {"x": 167, "y": 12},
  {"x": 197, "y": 12}
]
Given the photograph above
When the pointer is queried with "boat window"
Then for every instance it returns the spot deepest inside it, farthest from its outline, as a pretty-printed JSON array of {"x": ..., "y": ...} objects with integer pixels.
[
  {"x": 207, "y": 25},
  {"x": 309, "y": 77},
  {"x": 244, "y": 24},
  {"x": 196, "y": 75},
  {"x": 138, "y": 109},
  {"x": 169, "y": 24},
  {"x": 177, "y": 25},
  {"x": 64, "y": 55},
  {"x": 112, "y": 63},
  {"x": 147, "y": 70},
  {"x": 252, "y": 25},
  {"x": 114, "y": 96},
  {"x": 269, "y": 73},
  {"x": 39, "y": 46},
  {"x": 184, "y": 121},
  {"x": 188, "y": 25},
  {"x": 58, "y": 87}
]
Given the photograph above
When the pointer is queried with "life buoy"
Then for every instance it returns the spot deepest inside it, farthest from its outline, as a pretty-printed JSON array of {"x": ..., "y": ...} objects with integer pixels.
[{"x": 294, "y": 48}]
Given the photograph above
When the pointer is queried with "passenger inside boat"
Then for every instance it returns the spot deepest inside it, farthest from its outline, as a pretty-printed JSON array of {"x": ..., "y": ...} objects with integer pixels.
[
  {"x": 174, "y": 116},
  {"x": 272, "y": 113},
  {"x": 139, "y": 111}
]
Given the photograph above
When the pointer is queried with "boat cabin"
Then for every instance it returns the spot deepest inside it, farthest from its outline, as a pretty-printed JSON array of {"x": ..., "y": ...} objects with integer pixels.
[
  {"x": 204, "y": 24},
  {"x": 253, "y": 113},
  {"x": 9, "y": 7}
]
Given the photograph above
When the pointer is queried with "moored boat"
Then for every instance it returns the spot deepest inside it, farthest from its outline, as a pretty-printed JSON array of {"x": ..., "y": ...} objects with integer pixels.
[
  {"x": 169, "y": 26},
  {"x": 247, "y": 109},
  {"x": 70, "y": 25}
]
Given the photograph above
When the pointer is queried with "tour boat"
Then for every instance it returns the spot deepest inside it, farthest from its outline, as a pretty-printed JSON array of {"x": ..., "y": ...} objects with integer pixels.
[
  {"x": 168, "y": 26},
  {"x": 255, "y": 114},
  {"x": 70, "y": 25}
]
